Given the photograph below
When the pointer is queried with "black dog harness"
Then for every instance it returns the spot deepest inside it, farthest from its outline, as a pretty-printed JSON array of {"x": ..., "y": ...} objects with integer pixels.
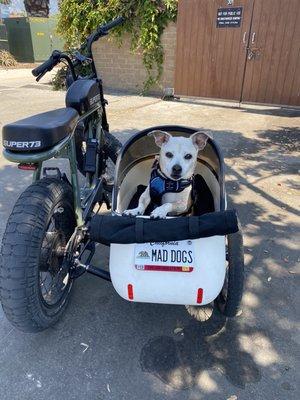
[{"x": 161, "y": 184}]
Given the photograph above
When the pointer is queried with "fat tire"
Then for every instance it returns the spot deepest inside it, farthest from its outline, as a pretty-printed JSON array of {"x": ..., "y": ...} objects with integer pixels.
[
  {"x": 230, "y": 305},
  {"x": 20, "y": 253}
]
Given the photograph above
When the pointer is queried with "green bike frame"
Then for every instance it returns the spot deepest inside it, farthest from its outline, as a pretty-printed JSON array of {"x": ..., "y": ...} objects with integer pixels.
[{"x": 66, "y": 149}]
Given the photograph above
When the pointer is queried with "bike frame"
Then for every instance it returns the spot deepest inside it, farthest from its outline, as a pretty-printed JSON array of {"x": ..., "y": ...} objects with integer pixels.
[
  {"x": 66, "y": 150},
  {"x": 95, "y": 189}
]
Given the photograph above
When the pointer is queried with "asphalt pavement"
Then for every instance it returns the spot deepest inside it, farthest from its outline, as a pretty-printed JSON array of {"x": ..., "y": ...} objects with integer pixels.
[{"x": 107, "y": 348}]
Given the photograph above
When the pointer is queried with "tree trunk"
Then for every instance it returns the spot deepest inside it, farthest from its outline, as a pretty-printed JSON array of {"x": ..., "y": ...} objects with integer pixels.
[{"x": 37, "y": 8}]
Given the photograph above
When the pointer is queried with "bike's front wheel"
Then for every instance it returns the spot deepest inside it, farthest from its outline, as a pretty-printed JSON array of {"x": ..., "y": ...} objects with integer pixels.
[{"x": 35, "y": 284}]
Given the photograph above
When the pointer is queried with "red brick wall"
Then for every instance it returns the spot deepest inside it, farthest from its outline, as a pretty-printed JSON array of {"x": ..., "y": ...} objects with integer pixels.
[{"x": 120, "y": 69}]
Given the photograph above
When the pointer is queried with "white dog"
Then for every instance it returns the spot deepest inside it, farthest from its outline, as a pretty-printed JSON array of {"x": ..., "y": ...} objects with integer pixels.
[{"x": 171, "y": 179}]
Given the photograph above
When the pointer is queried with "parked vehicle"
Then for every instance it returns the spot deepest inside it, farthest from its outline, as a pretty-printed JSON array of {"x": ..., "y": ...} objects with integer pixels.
[{"x": 52, "y": 232}]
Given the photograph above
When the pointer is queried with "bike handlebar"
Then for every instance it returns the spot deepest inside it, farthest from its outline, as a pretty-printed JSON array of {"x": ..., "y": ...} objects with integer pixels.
[
  {"x": 102, "y": 30},
  {"x": 57, "y": 56},
  {"x": 112, "y": 24},
  {"x": 48, "y": 65}
]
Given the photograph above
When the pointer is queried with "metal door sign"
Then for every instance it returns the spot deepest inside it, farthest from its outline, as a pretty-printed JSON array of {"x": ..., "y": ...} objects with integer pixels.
[{"x": 229, "y": 17}]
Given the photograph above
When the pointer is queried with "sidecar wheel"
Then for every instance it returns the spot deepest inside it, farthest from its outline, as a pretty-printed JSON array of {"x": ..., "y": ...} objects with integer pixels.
[
  {"x": 228, "y": 301},
  {"x": 35, "y": 285}
]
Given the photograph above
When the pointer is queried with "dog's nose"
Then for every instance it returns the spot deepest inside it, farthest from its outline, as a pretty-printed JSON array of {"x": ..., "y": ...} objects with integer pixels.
[{"x": 176, "y": 169}]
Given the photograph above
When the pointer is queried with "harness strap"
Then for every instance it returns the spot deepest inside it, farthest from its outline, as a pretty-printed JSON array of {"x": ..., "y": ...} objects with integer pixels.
[{"x": 161, "y": 184}]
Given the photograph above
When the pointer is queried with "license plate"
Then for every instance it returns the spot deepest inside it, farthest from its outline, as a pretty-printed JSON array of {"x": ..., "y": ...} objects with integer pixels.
[{"x": 165, "y": 256}]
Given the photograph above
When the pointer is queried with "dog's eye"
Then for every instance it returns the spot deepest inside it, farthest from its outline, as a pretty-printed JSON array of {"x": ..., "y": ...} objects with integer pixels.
[
  {"x": 188, "y": 156},
  {"x": 169, "y": 155}
]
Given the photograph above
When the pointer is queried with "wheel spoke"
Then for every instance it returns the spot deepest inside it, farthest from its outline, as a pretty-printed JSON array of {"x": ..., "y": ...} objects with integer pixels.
[{"x": 54, "y": 278}]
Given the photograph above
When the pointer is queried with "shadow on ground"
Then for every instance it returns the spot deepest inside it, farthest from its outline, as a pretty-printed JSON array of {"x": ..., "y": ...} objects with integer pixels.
[
  {"x": 244, "y": 350},
  {"x": 203, "y": 346}
]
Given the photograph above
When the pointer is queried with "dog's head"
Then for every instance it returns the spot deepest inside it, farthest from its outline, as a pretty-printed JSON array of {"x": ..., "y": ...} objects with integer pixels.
[{"x": 178, "y": 155}]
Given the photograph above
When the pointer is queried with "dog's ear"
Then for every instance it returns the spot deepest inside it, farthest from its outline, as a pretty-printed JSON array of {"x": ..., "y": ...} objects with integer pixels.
[
  {"x": 199, "y": 139},
  {"x": 160, "y": 137}
]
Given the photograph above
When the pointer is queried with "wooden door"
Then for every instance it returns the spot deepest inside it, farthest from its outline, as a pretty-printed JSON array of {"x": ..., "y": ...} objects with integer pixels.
[
  {"x": 210, "y": 60},
  {"x": 273, "y": 64}
]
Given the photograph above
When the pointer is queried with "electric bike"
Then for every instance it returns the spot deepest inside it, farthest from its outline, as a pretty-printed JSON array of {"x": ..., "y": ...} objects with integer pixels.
[{"x": 52, "y": 232}]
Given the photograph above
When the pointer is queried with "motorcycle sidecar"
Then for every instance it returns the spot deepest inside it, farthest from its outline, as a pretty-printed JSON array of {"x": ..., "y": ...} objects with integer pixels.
[{"x": 170, "y": 265}]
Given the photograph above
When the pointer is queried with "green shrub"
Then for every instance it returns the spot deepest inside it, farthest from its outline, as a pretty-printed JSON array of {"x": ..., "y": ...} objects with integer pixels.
[
  {"x": 145, "y": 21},
  {"x": 6, "y": 59},
  {"x": 59, "y": 79}
]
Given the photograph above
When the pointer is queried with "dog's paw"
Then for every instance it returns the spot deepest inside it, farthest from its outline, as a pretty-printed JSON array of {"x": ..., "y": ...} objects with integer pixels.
[
  {"x": 158, "y": 213},
  {"x": 132, "y": 213}
]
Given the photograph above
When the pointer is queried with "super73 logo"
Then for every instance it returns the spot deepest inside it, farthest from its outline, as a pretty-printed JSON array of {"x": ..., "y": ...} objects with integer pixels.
[{"x": 22, "y": 145}]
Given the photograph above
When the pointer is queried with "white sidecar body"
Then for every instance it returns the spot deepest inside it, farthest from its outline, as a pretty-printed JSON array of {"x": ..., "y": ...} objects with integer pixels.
[{"x": 180, "y": 272}]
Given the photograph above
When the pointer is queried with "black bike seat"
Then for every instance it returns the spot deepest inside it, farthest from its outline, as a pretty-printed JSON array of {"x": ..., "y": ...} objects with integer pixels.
[{"x": 40, "y": 131}]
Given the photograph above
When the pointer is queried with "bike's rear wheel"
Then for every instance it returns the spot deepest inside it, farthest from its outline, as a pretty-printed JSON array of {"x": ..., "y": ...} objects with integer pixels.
[{"x": 35, "y": 285}]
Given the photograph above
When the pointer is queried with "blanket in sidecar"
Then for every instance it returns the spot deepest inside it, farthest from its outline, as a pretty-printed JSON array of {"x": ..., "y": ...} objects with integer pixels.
[{"x": 108, "y": 229}]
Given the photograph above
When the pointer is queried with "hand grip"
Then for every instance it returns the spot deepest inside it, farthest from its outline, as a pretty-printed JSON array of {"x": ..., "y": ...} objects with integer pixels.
[{"x": 48, "y": 64}]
